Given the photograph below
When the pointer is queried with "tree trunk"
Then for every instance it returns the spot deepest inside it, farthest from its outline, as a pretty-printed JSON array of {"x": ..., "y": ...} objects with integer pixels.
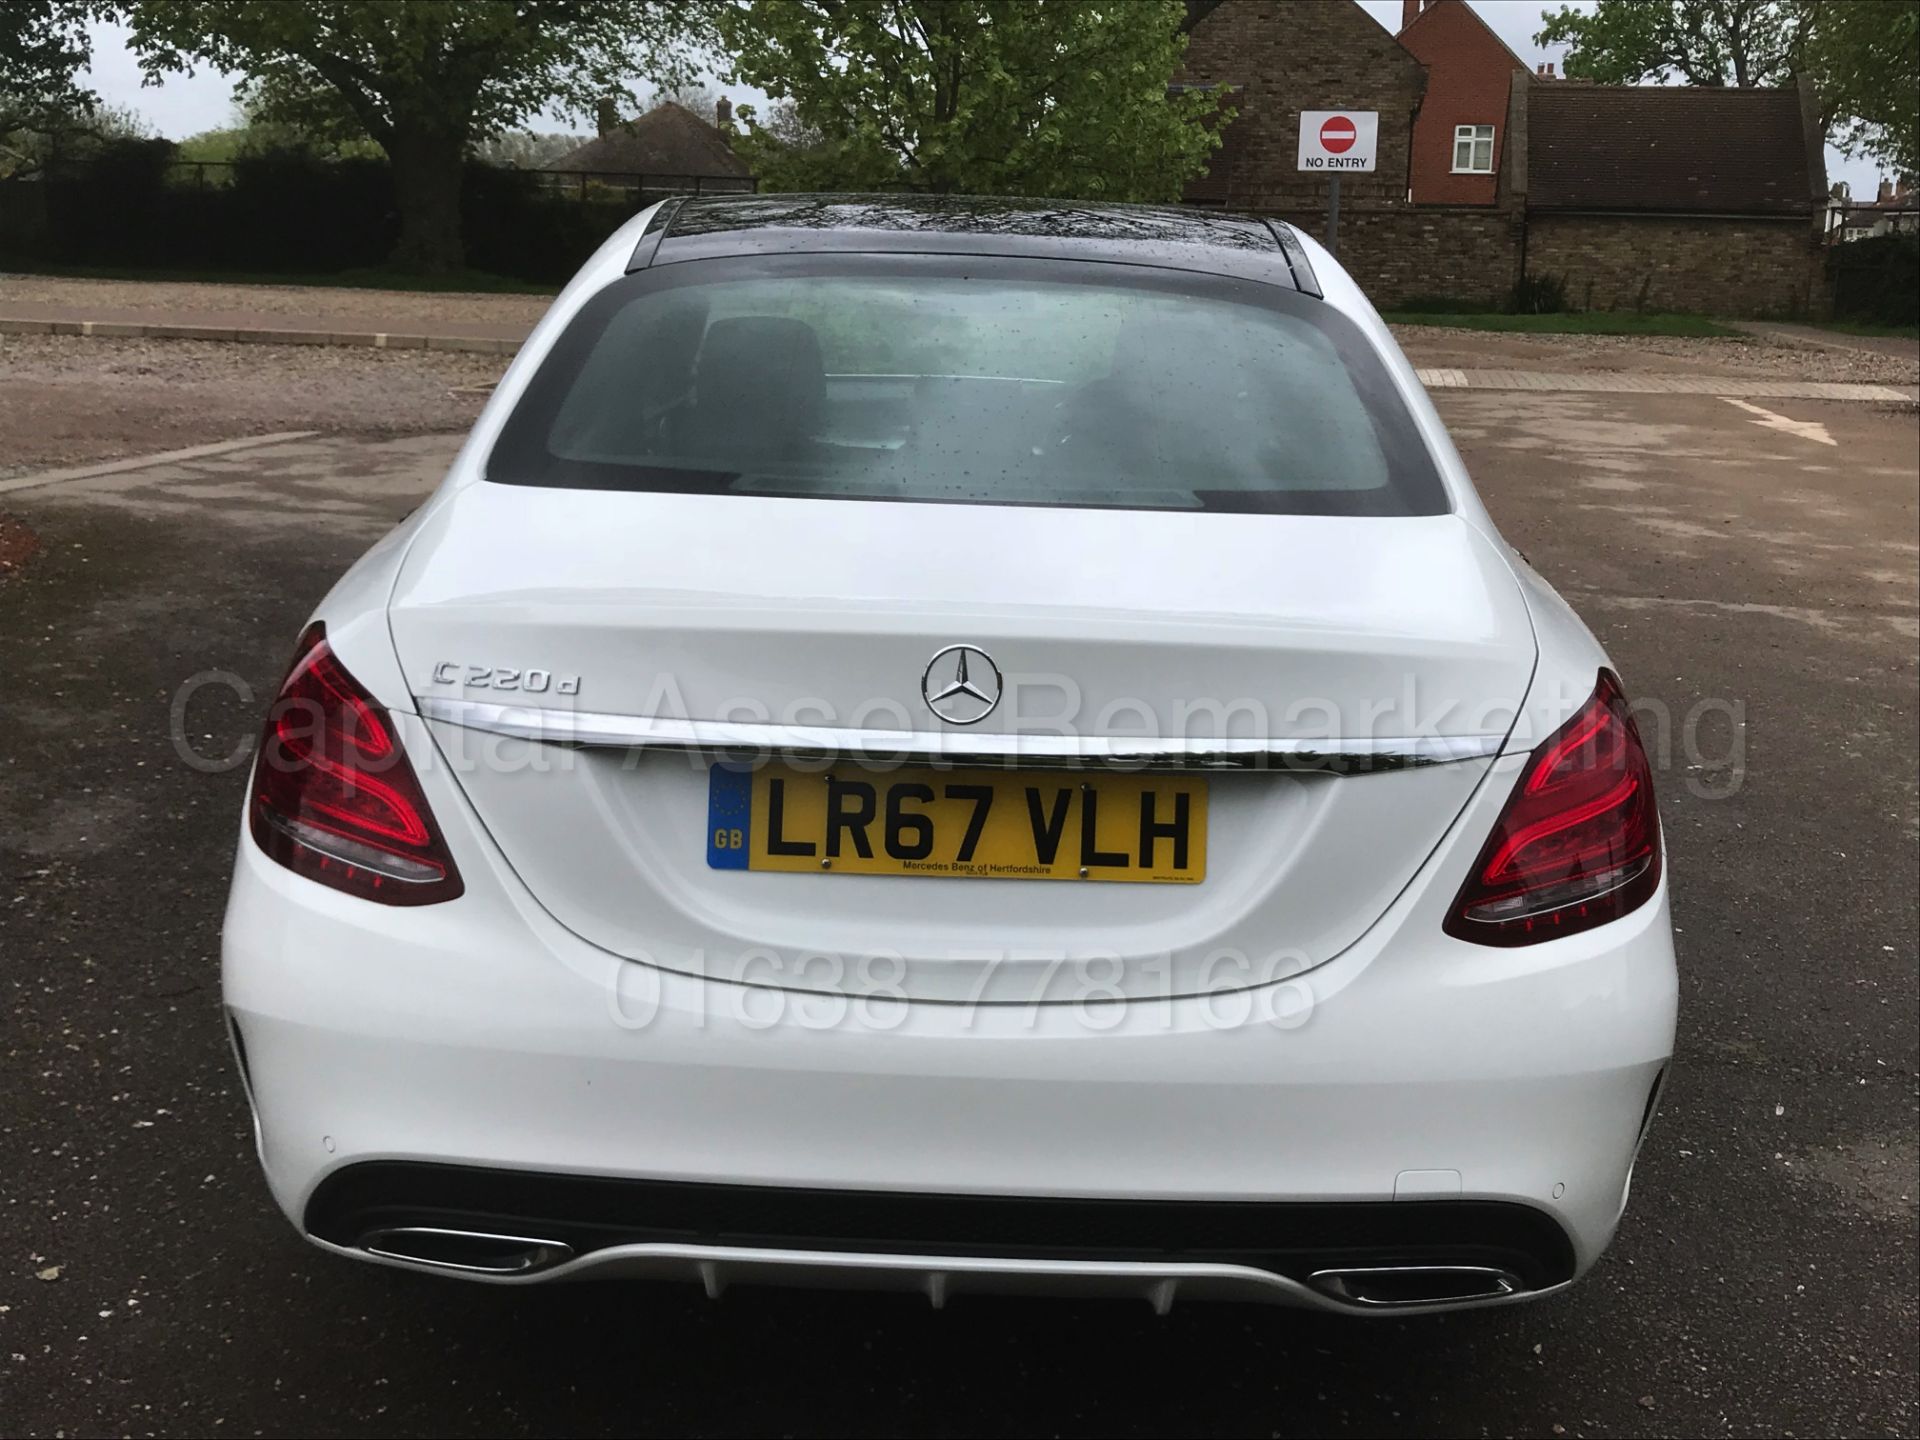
[{"x": 427, "y": 167}]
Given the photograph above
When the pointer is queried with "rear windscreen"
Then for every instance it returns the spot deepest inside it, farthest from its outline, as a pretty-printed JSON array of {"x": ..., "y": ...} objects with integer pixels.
[{"x": 969, "y": 381}]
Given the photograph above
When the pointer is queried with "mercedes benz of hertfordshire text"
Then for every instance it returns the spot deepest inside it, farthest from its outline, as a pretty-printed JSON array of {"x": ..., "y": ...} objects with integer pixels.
[{"x": 953, "y": 745}]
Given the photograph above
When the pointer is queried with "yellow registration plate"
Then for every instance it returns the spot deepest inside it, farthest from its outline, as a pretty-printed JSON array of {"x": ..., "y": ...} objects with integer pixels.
[{"x": 978, "y": 824}]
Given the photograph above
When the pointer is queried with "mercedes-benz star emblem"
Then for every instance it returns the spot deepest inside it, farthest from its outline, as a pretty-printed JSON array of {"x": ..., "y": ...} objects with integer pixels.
[{"x": 962, "y": 684}]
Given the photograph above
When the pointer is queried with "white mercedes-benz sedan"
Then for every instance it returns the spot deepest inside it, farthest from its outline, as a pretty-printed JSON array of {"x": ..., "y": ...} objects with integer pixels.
[{"x": 955, "y": 744}]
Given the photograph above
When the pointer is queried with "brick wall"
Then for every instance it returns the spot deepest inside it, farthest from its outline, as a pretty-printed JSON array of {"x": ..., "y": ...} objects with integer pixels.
[
  {"x": 1469, "y": 72},
  {"x": 1286, "y": 57},
  {"x": 1468, "y": 253},
  {"x": 1723, "y": 265}
]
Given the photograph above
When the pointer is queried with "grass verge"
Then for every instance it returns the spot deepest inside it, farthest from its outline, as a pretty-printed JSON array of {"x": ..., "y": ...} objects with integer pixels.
[{"x": 1584, "y": 322}]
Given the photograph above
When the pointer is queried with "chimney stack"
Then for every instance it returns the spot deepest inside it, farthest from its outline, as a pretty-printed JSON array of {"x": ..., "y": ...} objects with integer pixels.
[
  {"x": 1409, "y": 12},
  {"x": 723, "y": 115},
  {"x": 1886, "y": 192},
  {"x": 1549, "y": 69},
  {"x": 607, "y": 113}
]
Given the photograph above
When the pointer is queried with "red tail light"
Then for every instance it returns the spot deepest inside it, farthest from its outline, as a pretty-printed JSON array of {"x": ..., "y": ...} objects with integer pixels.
[
  {"x": 1579, "y": 842},
  {"x": 334, "y": 798}
]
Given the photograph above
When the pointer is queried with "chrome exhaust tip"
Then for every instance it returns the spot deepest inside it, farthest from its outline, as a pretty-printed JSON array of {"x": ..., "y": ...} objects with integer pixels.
[
  {"x": 470, "y": 1252},
  {"x": 1387, "y": 1286}
]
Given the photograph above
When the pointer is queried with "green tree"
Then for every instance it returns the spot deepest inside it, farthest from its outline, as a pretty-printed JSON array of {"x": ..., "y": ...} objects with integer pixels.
[
  {"x": 786, "y": 153},
  {"x": 57, "y": 133},
  {"x": 1704, "y": 42},
  {"x": 424, "y": 79},
  {"x": 525, "y": 149},
  {"x": 1865, "y": 56},
  {"x": 252, "y": 132},
  {"x": 43, "y": 46},
  {"x": 1039, "y": 97},
  {"x": 44, "y": 110},
  {"x": 688, "y": 94}
]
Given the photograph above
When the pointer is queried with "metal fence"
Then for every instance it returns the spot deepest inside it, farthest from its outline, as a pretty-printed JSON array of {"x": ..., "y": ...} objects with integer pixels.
[{"x": 602, "y": 185}]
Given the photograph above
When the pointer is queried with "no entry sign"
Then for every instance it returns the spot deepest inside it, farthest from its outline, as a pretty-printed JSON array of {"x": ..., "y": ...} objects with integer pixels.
[
  {"x": 1338, "y": 140},
  {"x": 1333, "y": 142}
]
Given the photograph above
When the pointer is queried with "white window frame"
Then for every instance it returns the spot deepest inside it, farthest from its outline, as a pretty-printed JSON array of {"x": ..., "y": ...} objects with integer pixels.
[{"x": 1473, "y": 137}]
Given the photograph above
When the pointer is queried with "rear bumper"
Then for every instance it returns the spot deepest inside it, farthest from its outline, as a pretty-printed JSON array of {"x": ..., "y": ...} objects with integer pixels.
[
  {"x": 940, "y": 1277},
  {"x": 570, "y": 1226},
  {"x": 1400, "y": 1075}
]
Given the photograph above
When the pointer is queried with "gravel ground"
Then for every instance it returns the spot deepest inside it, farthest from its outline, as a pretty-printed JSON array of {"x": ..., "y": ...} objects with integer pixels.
[
  {"x": 65, "y": 400},
  {"x": 1906, "y": 347},
  {"x": 375, "y": 309},
  {"x": 1782, "y": 355},
  {"x": 1751, "y": 356}
]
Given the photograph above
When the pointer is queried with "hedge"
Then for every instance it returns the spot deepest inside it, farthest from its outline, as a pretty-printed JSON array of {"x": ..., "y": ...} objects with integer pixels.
[
  {"x": 287, "y": 212},
  {"x": 1877, "y": 280}
]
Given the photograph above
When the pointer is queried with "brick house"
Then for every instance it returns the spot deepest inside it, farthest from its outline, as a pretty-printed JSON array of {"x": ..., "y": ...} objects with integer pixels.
[
  {"x": 1895, "y": 210},
  {"x": 1662, "y": 197},
  {"x": 1461, "y": 128},
  {"x": 668, "y": 149},
  {"x": 1278, "y": 58},
  {"x": 1674, "y": 197}
]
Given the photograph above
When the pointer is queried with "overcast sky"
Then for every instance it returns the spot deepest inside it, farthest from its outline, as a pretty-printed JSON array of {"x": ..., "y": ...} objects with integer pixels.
[{"x": 187, "y": 104}]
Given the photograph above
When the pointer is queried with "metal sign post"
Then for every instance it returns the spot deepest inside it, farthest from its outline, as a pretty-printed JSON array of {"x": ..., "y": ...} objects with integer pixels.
[{"x": 1333, "y": 141}]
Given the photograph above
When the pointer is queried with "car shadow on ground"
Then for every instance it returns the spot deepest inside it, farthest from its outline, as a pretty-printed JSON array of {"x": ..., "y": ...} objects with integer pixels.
[{"x": 620, "y": 1356}]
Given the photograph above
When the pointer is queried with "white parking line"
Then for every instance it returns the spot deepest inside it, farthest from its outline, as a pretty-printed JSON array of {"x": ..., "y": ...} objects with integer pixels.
[
  {"x": 1616, "y": 382},
  {"x": 141, "y": 462},
  {"x": 1806, "y": 429}
]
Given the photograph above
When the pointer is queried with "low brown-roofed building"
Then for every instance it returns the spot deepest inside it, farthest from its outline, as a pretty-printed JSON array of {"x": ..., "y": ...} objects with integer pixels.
[
  {"x": 668, "y": 148},
  {"x": 1673, "y": 148},
  {"x": 1671, "y": 197}
]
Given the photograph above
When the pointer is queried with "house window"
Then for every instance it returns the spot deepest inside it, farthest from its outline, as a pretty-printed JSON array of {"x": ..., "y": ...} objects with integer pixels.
[{"x": 1473, "y": 149}]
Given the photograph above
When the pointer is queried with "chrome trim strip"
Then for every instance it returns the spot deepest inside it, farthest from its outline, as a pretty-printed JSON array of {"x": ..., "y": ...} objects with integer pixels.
[{"x": 592, "y": 730}]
